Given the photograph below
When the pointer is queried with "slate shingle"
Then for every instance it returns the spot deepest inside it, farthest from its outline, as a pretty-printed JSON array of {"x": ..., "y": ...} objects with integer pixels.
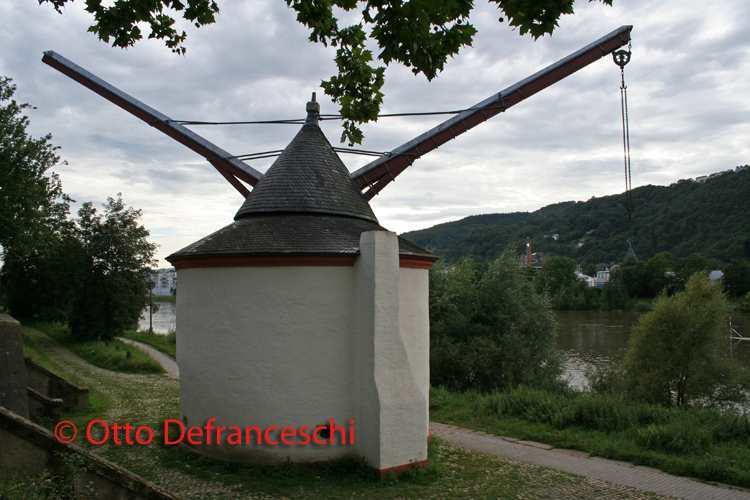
[
  {"x": 308, "y": 177},
  {"x": 306, "y": 203}
]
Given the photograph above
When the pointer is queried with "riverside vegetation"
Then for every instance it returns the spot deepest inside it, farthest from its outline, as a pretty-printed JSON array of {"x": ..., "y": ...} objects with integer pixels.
[
  {"x": 635, "y": 283},
  {"x": 165, "y": 343},
  {"x": 675, "y": 403},
  {"x": 88, "y": 272}
]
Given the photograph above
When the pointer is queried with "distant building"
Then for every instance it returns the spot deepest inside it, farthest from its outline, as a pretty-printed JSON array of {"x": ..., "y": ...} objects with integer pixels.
[
  {"x": 630, "y": 252},
  {"x": 535, "y": 259},
  {"x": 715, "y": 275},
  {"x": 164, "y": 281},
  {"x": 539, "y": 258},
  {"x": 590, "y": 281},
  {"x": 602, "y": 273}
]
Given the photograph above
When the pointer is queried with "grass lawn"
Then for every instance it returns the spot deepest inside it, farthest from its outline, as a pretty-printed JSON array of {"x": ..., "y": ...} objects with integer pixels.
[
  {"x": 698, "y": 443},
  {"x": 165, "y": 298},
  {"x": 165, "y": 343},
  {"x": 111, "y": 354},
  {"x": 140, "y": 399}
]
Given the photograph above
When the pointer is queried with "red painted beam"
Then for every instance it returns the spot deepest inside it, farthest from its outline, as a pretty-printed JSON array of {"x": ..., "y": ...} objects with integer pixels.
[
  {"x": 231, "y": 168},
  {"x": 377, "y": 174}
]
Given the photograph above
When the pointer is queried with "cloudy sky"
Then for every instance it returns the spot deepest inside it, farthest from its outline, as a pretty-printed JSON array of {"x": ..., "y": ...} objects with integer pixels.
[{"x": 688, "y": 83}]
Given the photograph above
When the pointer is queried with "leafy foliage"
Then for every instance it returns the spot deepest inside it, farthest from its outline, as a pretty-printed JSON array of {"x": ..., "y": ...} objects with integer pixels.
[
  {"x": 736, "y": 278},
  {"x": 34, "y": 231},
  {"x": 685, "y": 218},
  {"x": 614, "y": 295},
  {"x": 559, "y": 279},
  {"x": 119, "y": 20},
  {"x": 678, "y": 354},
  {"x": 420, "y": 34},
  {"x": 489, "y": 329},
  {"x": 32, "y": 204},
  {"x": 116, "y": 259},
  {"x": 89, "y": 272}
]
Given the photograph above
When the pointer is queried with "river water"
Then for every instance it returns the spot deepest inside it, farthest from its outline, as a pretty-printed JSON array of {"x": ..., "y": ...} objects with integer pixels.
[
  {"x": 163, "y": 319},
  {"x": 586, "y": 338},
  {"x": 589, "y": 338}
]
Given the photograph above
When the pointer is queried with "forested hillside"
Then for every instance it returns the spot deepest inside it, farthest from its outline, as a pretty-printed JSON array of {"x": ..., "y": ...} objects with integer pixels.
[{"x": 711, "y": 218}]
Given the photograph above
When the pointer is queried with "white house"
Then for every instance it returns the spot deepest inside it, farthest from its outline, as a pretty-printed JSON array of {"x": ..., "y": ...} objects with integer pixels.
[{"x": 164, "y": 281}]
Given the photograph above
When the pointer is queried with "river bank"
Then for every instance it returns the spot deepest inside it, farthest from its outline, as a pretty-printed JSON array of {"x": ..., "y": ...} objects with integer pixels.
[{"x": 588, "y": 339}]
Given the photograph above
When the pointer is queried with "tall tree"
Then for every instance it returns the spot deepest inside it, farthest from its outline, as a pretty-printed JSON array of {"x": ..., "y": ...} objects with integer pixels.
[
  {"x": 630, "y": 273},
  {"x": 656, "y": 274},
  {"x": 489, "y": 329},
  {"x": 685, "y": 267},
  {"x": 678, "y": 354},
  {"x": 91, "y": 272},
  {"x": 34, "y": 228},
  {"x": 736, "y": 277},
  {"x": 32, "y": 204},
  {"x": 557, "y": 274},
  {"x": 419, "y": 34},
  {"x": 113, "y": 274}
]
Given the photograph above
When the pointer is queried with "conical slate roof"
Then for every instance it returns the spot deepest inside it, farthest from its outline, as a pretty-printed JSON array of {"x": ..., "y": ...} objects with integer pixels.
[
  {"x": 306, "y": 205},
  {"x": 308, "y": 177}
]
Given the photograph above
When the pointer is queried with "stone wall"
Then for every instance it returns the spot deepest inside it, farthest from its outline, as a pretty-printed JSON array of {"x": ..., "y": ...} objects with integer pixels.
[
  {"x": 12, "y": 373},
  {"x": 30, "y": 449},
  {"x": 53, "y": 386},
  {"x": 42, "y": 406}
]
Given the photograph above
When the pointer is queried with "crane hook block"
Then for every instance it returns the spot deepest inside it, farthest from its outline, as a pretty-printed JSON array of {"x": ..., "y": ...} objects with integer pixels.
[{"x": 621, "y": 57}]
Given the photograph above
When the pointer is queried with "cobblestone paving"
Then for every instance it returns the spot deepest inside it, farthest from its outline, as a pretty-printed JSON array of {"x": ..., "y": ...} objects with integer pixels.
[{"x": 149, "y": 399}]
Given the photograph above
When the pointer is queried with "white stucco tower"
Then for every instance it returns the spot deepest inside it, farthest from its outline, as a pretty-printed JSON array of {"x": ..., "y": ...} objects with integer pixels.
[{"x": 305, "y": 313}]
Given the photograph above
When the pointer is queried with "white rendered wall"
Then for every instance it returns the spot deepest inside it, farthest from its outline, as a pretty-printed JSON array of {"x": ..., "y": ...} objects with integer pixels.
[
  {"x": 414, "y": 325},
  {"x": 267, "y": 346},
  {"x": 390, "y": 393},
  {"x": 297, "y": 346}
]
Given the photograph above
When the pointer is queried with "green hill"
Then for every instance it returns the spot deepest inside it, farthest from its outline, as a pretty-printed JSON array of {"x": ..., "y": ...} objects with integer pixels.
[{"x": 710, "y": 217}]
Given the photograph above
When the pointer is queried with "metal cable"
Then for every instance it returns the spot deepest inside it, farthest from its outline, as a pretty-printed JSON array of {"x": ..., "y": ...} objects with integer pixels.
[
  {"x": 626, "y": 146},
  {"x": 301, "y": 121},
  {"x": 621, "y": 58}
]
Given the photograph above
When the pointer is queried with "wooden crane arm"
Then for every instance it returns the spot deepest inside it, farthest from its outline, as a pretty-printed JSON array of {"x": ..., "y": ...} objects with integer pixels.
[
  {"x": 231, "y": 168},
  {"x": 377, "y": 174}
]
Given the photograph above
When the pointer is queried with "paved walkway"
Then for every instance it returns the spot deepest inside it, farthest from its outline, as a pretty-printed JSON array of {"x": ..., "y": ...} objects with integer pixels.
[
  {"x": 169, "y": 364},
  {"x": 576, "y": 462}
]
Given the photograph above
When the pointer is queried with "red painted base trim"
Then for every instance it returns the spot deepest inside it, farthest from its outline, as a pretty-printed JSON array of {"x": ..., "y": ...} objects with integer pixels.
[
  {"x": 413, "y": 262},
  {"x": 266, "y": 261},
  {"x": 400, "y": 469},
  {"x": 337, "y": 260}
]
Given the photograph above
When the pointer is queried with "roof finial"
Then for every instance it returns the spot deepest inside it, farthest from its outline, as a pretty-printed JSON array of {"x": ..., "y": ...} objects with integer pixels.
[{"x": 313, "y": 111}]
